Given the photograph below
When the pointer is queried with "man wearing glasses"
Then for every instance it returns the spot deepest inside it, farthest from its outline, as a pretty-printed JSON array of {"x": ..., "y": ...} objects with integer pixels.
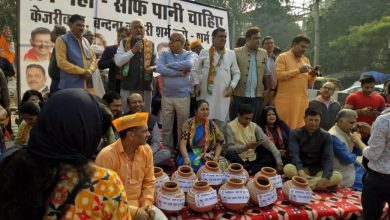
[{"x": 327, "y": 105}]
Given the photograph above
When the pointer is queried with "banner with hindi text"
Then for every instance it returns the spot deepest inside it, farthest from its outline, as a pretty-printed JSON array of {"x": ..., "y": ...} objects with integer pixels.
[{"x": 161, "y": 18}]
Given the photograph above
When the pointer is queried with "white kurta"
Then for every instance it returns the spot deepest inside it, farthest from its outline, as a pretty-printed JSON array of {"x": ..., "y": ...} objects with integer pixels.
[{"x": 228, "y": 74}]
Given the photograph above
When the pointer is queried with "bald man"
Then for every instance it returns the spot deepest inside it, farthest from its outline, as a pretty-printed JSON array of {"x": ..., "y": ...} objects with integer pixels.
[
  {"x": 327, "y": 105},
  {"x": 174, "y": 65},
  {"x": 135, "y": 104}
]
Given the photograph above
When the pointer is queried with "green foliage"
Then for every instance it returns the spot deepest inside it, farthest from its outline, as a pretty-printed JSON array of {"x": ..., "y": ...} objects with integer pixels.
[
  {"x": 365, "y": 47},
  {"x": 236, "y": 13},
  {"x": 341, "y": 18},
  {"x": 8, "y": 14}
]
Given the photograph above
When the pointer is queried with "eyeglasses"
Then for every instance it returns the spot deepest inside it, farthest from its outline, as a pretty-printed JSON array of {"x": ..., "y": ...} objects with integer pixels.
[{"x": 327, "y": 88}]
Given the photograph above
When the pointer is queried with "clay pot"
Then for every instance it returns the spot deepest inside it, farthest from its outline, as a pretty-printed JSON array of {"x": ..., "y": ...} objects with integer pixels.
[
  {"x": 202, "y": 197},
  {"x": 160, "y": 176},
  {"x": 170, "y": 198},
  {"x": 296, "y": 182},
  {"x": 236, "y": 170},
  {"x": 260, "y": 186},
  {"x": 272, "y": 174},
  {"x": 234, "y": 187},
  {"x": 185, "y": 176},
  {"x": 212, "y": 173}
]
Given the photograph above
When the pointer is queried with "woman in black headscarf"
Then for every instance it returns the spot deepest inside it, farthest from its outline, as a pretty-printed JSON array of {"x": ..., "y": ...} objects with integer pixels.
[{"x": 53, "y": 176}]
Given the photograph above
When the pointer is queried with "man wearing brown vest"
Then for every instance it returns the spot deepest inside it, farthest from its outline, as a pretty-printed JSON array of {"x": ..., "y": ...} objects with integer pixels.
[{"x": 255, "y": 75}]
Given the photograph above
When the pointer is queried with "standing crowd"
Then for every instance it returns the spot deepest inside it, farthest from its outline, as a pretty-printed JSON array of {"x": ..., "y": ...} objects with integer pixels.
[{"x": 81, "y": 155}]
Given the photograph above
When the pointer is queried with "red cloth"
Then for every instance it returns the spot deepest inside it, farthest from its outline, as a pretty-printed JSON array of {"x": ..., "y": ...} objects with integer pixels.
[{"x": 341, "y": 204}]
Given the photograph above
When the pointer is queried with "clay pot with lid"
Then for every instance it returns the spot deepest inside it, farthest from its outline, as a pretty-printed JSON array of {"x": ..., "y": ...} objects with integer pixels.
[
  {"x": 212, "y": 173},
  {"x": 236, "y": 170},
  {"x": 201, "y": 197},
  {"x": 170, "y": 197},
  {"x": 296, "y": 182},
  {"x": 185, "y": 176},
  {"x": 260, "y": 185},
  {"x": 234, "y": 188},
  {"x": 161, "y": 177}
]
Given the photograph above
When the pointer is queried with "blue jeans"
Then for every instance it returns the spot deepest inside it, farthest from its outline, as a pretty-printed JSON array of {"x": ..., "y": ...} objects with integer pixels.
[{"x": 256, "y": 103}]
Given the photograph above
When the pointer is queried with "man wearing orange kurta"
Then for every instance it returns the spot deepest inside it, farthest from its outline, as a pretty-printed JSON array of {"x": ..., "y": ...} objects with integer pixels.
[
  {"x": 294, "y": 74},
  {"x": 132, "y": 159}
]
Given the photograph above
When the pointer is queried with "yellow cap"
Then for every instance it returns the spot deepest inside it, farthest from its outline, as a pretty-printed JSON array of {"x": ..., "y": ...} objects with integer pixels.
[
  {"x": 195, "y": 43},
  {"x": 129, "y": 121}
]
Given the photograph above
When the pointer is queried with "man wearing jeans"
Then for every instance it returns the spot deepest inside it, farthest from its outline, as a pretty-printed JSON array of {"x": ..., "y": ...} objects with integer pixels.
[{"x": 174, "y": 65}]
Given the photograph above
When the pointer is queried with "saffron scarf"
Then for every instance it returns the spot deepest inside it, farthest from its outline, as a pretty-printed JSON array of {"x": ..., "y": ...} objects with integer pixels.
[
  {"x": 280, "y": 137},
  {"x": 147, "y": 59},
  {"x": 213, "y": 69},
  {"x": 199, "y": 151}
]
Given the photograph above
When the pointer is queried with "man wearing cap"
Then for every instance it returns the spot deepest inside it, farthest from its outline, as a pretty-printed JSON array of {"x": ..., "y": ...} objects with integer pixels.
[
  {"x": 132, "y": 159},
  {"x": 196, "y": 46},
  {"x": 160, "y": 154}
]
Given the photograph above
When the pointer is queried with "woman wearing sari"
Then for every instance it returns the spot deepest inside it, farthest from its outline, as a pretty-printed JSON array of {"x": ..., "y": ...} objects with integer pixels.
[{"x": 201, "y": 140}]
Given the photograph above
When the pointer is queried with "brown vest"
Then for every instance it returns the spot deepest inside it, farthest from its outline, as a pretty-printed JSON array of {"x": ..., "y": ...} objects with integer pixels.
[{"x": 243, "y": 56}]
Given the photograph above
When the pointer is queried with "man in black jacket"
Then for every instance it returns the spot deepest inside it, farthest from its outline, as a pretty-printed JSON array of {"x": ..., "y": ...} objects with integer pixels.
[
  {"x": 54, "y": 71},
  {"x": 107, "y": 61}
]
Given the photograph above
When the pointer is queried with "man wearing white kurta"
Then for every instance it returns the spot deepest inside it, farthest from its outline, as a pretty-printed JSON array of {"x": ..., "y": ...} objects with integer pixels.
[{"x": 215, "y": 75}]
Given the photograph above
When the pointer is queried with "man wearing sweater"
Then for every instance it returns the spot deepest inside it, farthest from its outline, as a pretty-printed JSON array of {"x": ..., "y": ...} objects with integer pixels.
[{"x": 174, "y": 65}]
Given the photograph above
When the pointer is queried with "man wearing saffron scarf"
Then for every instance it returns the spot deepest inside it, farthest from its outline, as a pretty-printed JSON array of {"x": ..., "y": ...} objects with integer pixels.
[
  {"x": 136, "y": 56},
  {"x": 215, "y": 75},
  {"x": 74, "y": 57},
  {"x": 132, "y": 158}
]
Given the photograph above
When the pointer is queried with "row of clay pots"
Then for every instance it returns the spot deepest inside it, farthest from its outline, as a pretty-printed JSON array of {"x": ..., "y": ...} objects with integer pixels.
[
  {"x": 212, "y": 173},
  {"x": 233, "y": 193},
  {"x": 170, "y": 198}
]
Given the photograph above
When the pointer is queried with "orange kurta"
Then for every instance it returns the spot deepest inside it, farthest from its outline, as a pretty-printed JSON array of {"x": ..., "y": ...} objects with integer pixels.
[
  {"x": 137, "y": 174},
  {"x": 291, "y": 98}
]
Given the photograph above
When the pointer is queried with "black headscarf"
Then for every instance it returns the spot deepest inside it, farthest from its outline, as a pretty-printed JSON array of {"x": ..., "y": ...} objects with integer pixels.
[{"x": 68, "y": 129}]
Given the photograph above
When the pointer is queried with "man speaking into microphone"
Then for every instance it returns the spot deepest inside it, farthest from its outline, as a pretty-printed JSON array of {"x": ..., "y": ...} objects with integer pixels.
[{"x": 136, "y": 56}]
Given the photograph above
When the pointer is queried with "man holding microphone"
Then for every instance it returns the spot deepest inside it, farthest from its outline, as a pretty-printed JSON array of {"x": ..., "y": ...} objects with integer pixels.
[{"x": 136, "y": 56}]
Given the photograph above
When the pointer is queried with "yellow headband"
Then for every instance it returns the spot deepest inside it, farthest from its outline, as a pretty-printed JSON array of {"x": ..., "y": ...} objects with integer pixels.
[{"x": 129, "y": 121}]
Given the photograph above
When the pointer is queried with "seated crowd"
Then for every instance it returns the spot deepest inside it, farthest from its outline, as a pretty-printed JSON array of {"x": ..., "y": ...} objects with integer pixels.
[{"x": 318, "y": 141}]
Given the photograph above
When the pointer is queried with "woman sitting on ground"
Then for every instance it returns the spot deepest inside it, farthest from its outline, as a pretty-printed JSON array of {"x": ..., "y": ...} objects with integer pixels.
[
  {"x": 53, "y": 176},
  {"x": 29, "y": 112},
  {"x": 277, "y": 131},
  {"x": 34, "y": 96},
  {"x": 201, "y": 140}
]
